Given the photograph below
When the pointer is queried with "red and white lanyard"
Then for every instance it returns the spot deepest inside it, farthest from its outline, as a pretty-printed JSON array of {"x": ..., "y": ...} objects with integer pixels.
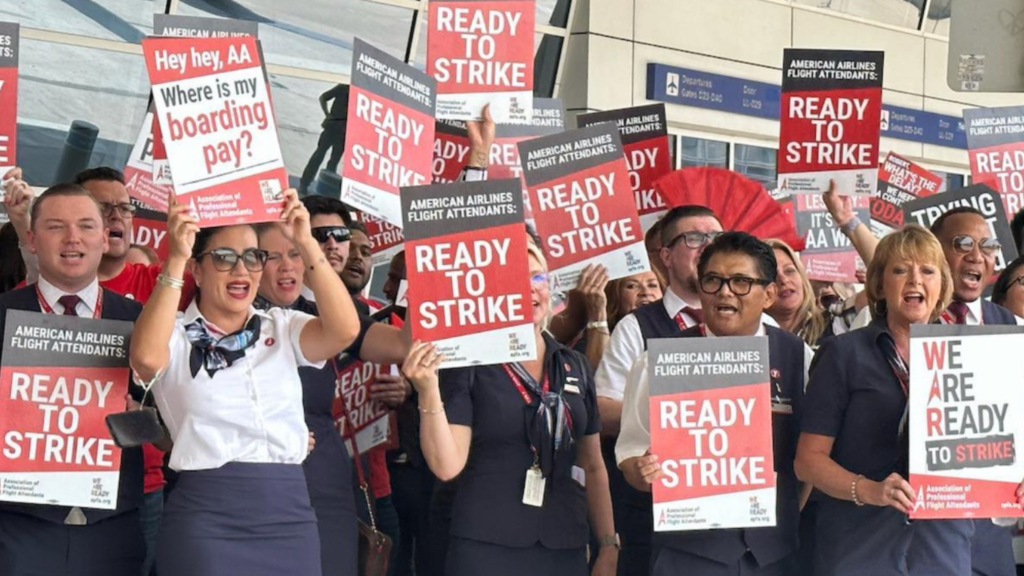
[
  {"x": 97, "y": 310},
  {"x": 545, "y": 387}
]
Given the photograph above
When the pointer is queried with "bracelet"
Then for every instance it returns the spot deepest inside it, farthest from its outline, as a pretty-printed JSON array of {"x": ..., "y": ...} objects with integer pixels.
[
  {"x": 170, "y": 281},
  {"x": 438, "y": 411},
  {"x": 609, "y": 540},
  {"x": 853, "y": 490},
  {"x": 851, "y": 225},
  {"x": 598, "y": 325}
]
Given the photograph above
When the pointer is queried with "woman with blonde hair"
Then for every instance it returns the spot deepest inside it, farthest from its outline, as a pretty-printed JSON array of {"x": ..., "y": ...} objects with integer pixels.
[{"x": 795, "y": 308}]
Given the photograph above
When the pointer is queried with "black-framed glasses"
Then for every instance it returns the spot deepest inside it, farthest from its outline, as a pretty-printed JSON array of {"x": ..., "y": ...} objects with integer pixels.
[
  {"x": 225, "y": 259},
  {"x": 738, "y": 285},
  {"x": 694, "y": 239},
  {"x": 124, "y": 209},
  {"x": 339, "y": 233},
  {"x": 965, "y": 245},
  {"x": 1017, "y": 280}
]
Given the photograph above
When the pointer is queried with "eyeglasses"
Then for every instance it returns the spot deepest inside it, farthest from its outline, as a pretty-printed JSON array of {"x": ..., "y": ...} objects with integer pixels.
[
  {"x": 738, "y": 285},
  {"x": 339, "y": 233},
  {"x": 694, "y": 240},
  {"x": 539, "y": 280},
  {"x": 965, "y": 245},
  {"x": 225, "y": 259},
  {"x": 1017, "y": 280},
  {"x": 124, "y": 209}
]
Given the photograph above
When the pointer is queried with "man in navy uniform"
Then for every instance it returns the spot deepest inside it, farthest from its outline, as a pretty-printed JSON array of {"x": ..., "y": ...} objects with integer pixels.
[
  {"x": 68, "y": 236},
  {"x": 737, "y": 274}
]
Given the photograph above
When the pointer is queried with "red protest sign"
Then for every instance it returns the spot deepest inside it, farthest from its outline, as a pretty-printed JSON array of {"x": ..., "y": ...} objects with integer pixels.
[
  {"x": 644, "y": 133},
  {"x": 149, "y": 229},
  {"x": 830, "y": 121},
  {"x": 995, "y": 142},
  {"x": 61, "y": 377},
  {"x": 138, "y": 172},
  {"x": 390, "y": 132},
  {"x": 583, "y": 204},
  {"x": 711, "y": 428},
  {"x": 481, "y": 52},
  {"x": 828, "y": 254},
  {"x": 466, "y": 264},
  {"x": 899, "y": 181},
  {"x": 355, "y": 413},
  {"x": 9, "y": 51},
  {"x": 218, "y": 126}
]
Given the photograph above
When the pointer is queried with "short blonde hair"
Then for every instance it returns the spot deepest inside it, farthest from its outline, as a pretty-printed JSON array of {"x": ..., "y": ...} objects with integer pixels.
[
  {"x": 535, "y": 251},
  {"x": 913, "y": 243},
  {"x": 812, "y": 321}
]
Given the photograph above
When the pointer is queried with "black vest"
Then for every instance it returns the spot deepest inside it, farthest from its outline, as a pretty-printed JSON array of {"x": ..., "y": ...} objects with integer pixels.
[
  {"x": 768, "y": 545},
  {"x": 129, "y": 491},
  {"x": 655, "y": 322},
  {"x": 996, "y": 314}
]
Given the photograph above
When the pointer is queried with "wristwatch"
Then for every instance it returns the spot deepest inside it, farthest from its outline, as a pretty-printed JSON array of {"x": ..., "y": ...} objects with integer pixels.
[{"x": 610, "y": 540}]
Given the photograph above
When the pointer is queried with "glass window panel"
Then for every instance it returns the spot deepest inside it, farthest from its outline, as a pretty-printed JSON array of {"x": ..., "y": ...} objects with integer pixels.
[
  {"x": 757, "y": 163},
  {"x": 673, "y": 141},
  {"x": 937, "y": 19},
  {"x": 553, "y": 12},
  {"x": 950, "y": 180},
  {"x": 905, "y": 13},
  {"x": 121, "y": 20},
  {"x": 315, "y": 34},
  {"x": 112, "y": 92},
  {"x": 701, "y": 152}
]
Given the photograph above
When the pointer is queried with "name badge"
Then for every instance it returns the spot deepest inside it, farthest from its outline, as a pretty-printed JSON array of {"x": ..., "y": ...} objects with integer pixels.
[
  {"x": 571, "y": 389},
  {"x": 533, "y": 494},
  {"x": 580, "y": 476},
  {"x": 782, "y": 405}
]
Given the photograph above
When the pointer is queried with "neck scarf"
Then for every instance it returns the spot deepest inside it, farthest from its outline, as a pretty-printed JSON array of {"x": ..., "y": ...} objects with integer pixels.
[{"x": 216, "y": 354}]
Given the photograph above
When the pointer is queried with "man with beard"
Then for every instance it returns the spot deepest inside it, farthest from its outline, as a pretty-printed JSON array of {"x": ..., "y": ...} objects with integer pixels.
[{"x": 356, "y": 273}]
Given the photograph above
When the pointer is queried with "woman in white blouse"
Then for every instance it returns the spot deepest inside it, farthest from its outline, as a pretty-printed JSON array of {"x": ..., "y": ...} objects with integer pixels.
[{"x": 225, "y": 378}]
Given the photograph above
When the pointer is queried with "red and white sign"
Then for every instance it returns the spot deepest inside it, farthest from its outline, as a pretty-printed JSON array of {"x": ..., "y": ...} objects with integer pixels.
[
  {"x": 356, "y": 414},
  {"x": 995, "y": 142},
  {"x": 899, "y": 181},
  {"x": 149, "y": 229},
  {"x": 9, "y": 52},
  {"x": 830, "y": 121},
  {"x": 966, "y": 420},
  {"x": 481, "y": 52},
  {"x": 583, "y": 204},
  {"x": 61, "y": 377},
  {"x": 138, "y": 173},
  {"x": 711, "y": 429},
  {"x": 828, "y": 254},
  {"x": 218, "y": 126}
]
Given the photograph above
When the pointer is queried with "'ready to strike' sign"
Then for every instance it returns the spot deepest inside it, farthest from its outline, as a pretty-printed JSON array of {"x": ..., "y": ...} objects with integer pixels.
[
  {"x": 899, "y": 181},
  {"x": 356, "y": 415},
  {"x": 61, "y": 377},
  {"x": 390, "y": 132},
  {"x": 481, "y": 52},
  {"x": 711, "y": 428},
  {"x": 830, "y": 121},
  {"x": 9, "y": 51},
  {"x": 583, "y": 204},
  {"x": 644, "y": 133},
  {"x": 995, "y": 142},
  {"x": 966, "y": 418},
  {"x": 468, "y": 273},
  {"x": 149, "y": 229},
  {"x": 828, "y": 254},
  {"x": 218, "y": 127}
]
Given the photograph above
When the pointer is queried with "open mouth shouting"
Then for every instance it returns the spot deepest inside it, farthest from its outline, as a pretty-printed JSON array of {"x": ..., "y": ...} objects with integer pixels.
[
  {"x": 971, "y": 279},
  {"x": 726, "y": 310},
  {"x": 913, "y": 299},
  {"x": 239, "y": 289},
  {"x": 72, "y": 256}
]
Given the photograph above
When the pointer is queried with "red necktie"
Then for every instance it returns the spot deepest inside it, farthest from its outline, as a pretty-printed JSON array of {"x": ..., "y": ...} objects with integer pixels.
[
  {"x": 694, "y": 313},
  {"x": 69, "y": 302},
  {"x": 959, "y": 311}
]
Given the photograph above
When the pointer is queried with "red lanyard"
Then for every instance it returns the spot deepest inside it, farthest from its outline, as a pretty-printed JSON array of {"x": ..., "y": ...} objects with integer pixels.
[
  {"x": 96, "y": 310},
  {"x": 948, "y": 318},
  {"x": 521, "y": 388}
]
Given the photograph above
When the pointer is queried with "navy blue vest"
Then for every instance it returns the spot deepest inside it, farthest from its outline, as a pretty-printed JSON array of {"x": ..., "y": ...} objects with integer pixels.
[
  {"x": 768, "y": 545},
  {"x": 996, "y": 314},
  {"x": 129, "y": 491}
]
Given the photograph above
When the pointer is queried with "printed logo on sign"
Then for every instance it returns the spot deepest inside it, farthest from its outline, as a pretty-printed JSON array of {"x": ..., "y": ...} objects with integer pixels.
[
  {"x": 271, "y": 190},
  {"x": 885, "y": 119},
  {"x": 758, "y": 513},
  {"x": 633, "y": 264},
  {"x": 672, "y": 84}
]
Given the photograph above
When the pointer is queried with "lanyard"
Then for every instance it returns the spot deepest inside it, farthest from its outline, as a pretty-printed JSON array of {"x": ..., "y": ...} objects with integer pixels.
[
  {"x": 947, "y": 318},
  {"x": 544, "y": 389},
  {"x": 896, "y": 363},
  {"x": 97, "y": 310}
]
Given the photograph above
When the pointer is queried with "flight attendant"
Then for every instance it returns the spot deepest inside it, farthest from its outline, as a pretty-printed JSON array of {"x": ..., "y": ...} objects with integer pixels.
[
  {"x": 475, "y": 426},
  {"x": 228, "y": 388}
]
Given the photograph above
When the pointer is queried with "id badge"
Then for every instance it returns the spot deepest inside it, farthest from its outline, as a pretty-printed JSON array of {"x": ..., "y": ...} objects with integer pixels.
[{"x": 533, "y": 494}]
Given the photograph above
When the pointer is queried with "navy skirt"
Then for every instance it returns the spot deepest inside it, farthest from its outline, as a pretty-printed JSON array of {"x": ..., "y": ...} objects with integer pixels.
[
  {"x": 329, "y": 478},
  {"x": 474, "y": 558},
  {"x": 241, "y": 518}
]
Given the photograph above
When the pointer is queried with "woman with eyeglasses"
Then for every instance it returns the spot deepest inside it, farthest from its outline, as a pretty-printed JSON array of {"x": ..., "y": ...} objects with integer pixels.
[
  {"x": 522, "y": 438},
  {"x": 225, "y": 378}
]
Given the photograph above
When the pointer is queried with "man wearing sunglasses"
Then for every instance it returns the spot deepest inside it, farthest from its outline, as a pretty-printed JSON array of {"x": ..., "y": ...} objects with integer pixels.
[{"x": 330, "y": 221}]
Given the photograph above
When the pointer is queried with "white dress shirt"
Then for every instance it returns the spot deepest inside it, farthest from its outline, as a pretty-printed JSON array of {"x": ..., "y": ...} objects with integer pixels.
[
  {"x": 251, "y": 411},
  {"x": 87, "y": 297},
  {"x": 635, "y": 435}
]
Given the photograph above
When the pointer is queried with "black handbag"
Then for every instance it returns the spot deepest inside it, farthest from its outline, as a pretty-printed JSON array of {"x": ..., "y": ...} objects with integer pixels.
[{"x": 134, "y": 428}]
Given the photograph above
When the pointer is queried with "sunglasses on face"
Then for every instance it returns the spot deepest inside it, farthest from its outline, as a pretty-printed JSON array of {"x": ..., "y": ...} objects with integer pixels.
[
  {"x": 965, "y": 245},
  {"x": 738, "y": 285},
  {"x": 540, "y": 280},
  {"x": 225, "y": 259},
  {"x": 338, "y": 233},
  {"x": 124, "y": 209},
  {"x": 694, "y": 240}
]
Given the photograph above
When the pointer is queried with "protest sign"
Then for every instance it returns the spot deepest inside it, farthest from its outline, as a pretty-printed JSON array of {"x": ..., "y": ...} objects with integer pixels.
[
  {"x": 161, "y": 166},
  {"x": 9, "y": 52},
  {"x": 899, "y": 182},
  {"x": 218, "y": 127},
  {"x": 830, "y": 121},
  {"x": 451, "y": 151},
  {"x": 61, "y": 377},
  {"x": 711, "y": 427},
  {"x": 355, "y": 413},
  {"x": 995, "y": 142},
  {"x": 481, "y": 52},
  {"x": 583, "y": 204},
  {"x": 828, "y": 254},
  {"x": 925, "y": 211},
  {"x": 149, "y": 229},
  {"x": 138, "y": 172},
  {"x": 390, "y": 132},
  {"x": 644, "y": 133},
  {"x": 469, "y": 278},
  {"x": 386, "y": 241},
  {"x": 966, "y": 418}
]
